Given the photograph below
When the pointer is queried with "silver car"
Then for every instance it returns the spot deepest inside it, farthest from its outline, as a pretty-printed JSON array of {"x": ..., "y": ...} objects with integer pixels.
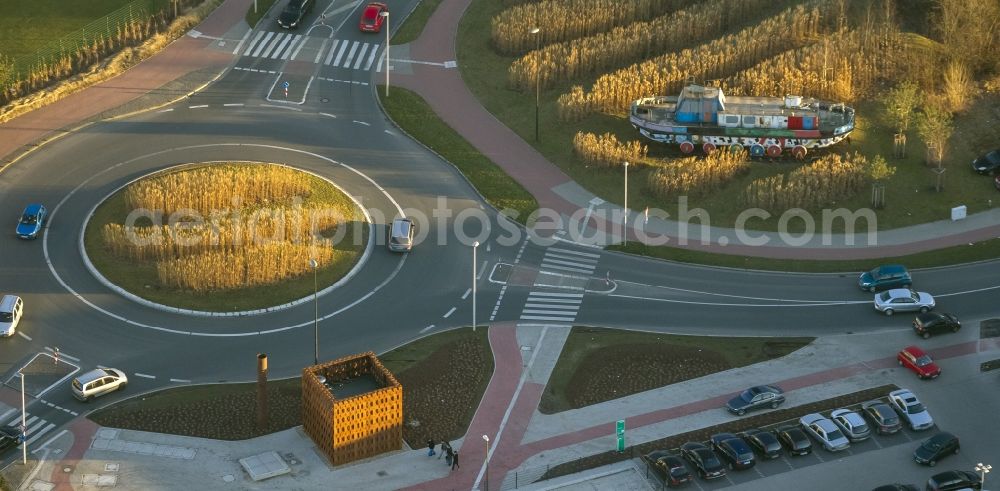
[
  {"x": 825, "y": 432},
  {"x": 903, "y": 300},
  {"x": 852, "y": 424},
  {"x": 910, "y": 409}
]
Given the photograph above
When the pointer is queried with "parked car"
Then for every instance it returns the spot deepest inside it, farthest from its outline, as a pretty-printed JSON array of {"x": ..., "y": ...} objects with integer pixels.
[
  {"x": 852, "y": 424},
  {"x": 10, "y": 436},
  {"x": 756, "y": 398},
  {"x": 885, "y": 277},
  {"x": 987, "y": 162},
  {"x": 735, "y": 451},
  {"x": 897, "y": 487},
  {"x": 672, "y": 468},
  {"x": 98, "y": 382},
  {"x": 372, "y": 18},
  {"x": 703, "y": 459},
  {"x": 936, "y": 448},
  {"x": 921, "y": 363},
  {"x": 825, "y": 432},
  {"x": 794, "y": 440},
  {"x": 954, "y": 481},
  {"x": 883, "y": 418},
  {"x": 903, "y": 300},
  {"x": 291, "y": 17},
  {"x": 910, "y": 409},
  {"x": 32, "y": 221},
  {"x": 935, "y": 323},
  {"x": 763, "y": 443}
]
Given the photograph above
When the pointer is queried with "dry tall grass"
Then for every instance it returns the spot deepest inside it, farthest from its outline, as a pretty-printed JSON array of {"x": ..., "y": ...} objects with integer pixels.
[
  {"x": 606, "y": 151},
  {"x": 250, "y": 266},
  {"x": 635, "y": 41},
  {"x": 822, "y": 183},
  {"x": 695, "y": 176}
]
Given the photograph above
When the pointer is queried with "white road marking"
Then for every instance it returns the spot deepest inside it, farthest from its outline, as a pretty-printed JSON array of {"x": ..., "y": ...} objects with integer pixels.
[
  {"x": 199, "y": 106},
  {"x": 371, "y": 58},
  {"x": 361, "y": 56},
  {"x": 350, "y": 55},
  {"x": 282, "y": 107},
  {"x": 362, "y": 122},
  {"x": 237, "y": 104},
  {"x": 253, "y": 43},
  {"x": 328, "y": 115},
  {"x": 340, "y": 54},
  {"x": 23, "y": 335},
  {"x": 466, "y": 294},
  {"x": 263, "y": 42},
  {"x": 329, "y": 55},
  {"x": 271, "y": 46},
  {"x": 165, "y": 110},
  {"x": 143, "y": 375},
  {"x": 280, "y": 51},
  {"x": 428, "y": 328},
  {"x": 299, "y": 47},
  {"x": 452, "y": 311},
  {"x": 180, "y": 380},
  {"x": 240, "y": 44}
]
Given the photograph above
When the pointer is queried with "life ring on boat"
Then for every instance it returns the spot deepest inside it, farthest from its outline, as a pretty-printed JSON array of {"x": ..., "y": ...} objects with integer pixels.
[
  {"x": 687, "y": 147},
  {"x": 735, "y": 148},
  {"x": 708, "y": 148},
  {"x": 799, "y": 152},
  {"x": 757, "y": 150},
  {"x": 773, "y": 150}
]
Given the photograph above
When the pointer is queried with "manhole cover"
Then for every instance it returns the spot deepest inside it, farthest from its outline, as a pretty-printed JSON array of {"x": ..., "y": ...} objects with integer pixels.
[
  {"x": 324, "y": 99},
  {"x": 228, "y": 478}
]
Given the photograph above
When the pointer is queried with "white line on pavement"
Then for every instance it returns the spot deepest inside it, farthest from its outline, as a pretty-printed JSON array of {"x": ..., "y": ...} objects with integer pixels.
[
  {"x": 452, "y": 311},
  {"x": 233, "y": 104},
  {"x": 50, "y": 440},
  {"x": 143, "y": 375},
  {"x": 180, "y": 380},
  {"x": 362, "y": 122},
  {"x": 23, "y": 335},
  {"x": 328, "y": 115},
  {"x": 466, "y": 294},
  {"x": 428, "y": 328}
]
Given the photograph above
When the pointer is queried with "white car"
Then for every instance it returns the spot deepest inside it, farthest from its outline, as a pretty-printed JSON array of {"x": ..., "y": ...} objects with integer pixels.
[
  {"x": 910, "y": 409},
  {"x": 98, "y": 382},
  {"x": 852, "y": 424},
  {"x": 825, "y": 432},
  {"x": 903, "y": 300}
]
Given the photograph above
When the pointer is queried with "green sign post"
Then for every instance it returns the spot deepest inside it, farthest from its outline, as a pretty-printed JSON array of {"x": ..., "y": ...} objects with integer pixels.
[{"x": 620, "y": 434}]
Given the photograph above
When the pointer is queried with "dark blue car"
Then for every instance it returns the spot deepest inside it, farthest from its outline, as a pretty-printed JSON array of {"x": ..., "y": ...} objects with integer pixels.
[
  {"x": 885, "y": 277},
  {"x": 32, "y": 221}
]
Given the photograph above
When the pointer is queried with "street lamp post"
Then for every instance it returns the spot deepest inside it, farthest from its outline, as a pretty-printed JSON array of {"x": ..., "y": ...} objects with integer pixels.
[
  {"x": 315, "y": 264},
  {"x": 486, "y": 481},
  {"x": 385, "y": 13},
  {"x": 24, "y": 425},
  {"x": 625, "y": 231},
  {"x": 534, "y": 32},
  {"x": 475, "y": 246},
  {"x": 983, "y": 470}
]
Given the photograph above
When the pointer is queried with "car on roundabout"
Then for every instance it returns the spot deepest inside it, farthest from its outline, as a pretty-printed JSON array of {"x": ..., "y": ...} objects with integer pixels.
[
  {"x": 918, "y": 362},
  {"x": 98, "y": 382},
  {"x": 825, "y": 432},
  {"x": 757, "y": 397},
  {"x": 672, "y": 467},
  {"x": 930, "y": 323},
  {"x": 703, "y": 459},
  {"x": 32, "y": 221},
  {"x": 885, "y": 277},
  {"x": 794, "y": 440},
  {"x": 903, "y": 300},
  {"x": 911, "y": 410},
  {"x": 764, "y": 443},
  {"x": 855, "y": 427}
]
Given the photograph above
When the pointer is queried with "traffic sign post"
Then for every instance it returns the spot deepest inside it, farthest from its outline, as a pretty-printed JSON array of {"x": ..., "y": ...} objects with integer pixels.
[
  {"x": 286, "y": 89},
  {"x": 620, "y": 435}
]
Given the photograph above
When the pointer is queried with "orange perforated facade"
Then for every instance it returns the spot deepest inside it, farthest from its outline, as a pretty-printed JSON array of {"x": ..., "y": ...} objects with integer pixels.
[{"x": 357, "y": 426}]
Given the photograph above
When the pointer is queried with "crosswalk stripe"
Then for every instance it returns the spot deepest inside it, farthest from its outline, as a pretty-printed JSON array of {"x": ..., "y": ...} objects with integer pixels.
[
  {"x": 544, "y": 318},
  {"x": 578, "y": 264},
  {"x": 568, "y": 315},
  {"x": 578, "y": 253},
  {"x": 264, "y": 42},
  {"x": 287, "y": 52},
  {"x": 566, "y": 257},
  {"x": 298, "y": 46},
  {"x": 554, "y": 294},
  {"x": 272, "y": 45},
  {"x": 551, "y": 306},
  {"x": 254, "y": 42},
  {"x": 371, "y": 58},
  {"x": 340, "y": 54},
  {"x": 350, "y": 55},
  {"x": 361, "y": 56},
  {"x": 39, "y": 434},
  {"x": 329, "y": 56},
  {"x": 575, "y": 301},
  {"x": 567, "y": 268},
  {"x": 281, "y": 47}
]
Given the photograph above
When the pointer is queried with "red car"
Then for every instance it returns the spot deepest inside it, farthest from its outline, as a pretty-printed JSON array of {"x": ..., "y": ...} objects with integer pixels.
[
  {"x": 921, "y": 363},
  {"x": 372, "y": 18}
]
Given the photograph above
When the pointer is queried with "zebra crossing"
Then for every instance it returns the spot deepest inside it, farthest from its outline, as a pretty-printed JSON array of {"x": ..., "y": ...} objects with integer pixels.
[
  {"x": 341, "y": 53},
  {"x": 560, "y": 306},
  {"x": 36, "y": 426}
]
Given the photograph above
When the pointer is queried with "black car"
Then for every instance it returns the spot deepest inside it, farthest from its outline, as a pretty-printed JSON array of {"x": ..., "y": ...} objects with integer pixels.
[
  {"x": 935, "y": 323},
  {"x": 764, "y": 443},
  {"x": 897, "y": 487},
  {"x": 757, "y": 397},
  {"x": 10, "y": 436},
  {"x": 671, "y": 468},
  {"x": 294, "y": 12},
  {"x": 794, "y": 440},
  {"x": 735, "y": 451},
  {"x": 883, "y": 418},
  {"x": 703, "y": 459},
  {"x": 987, "y": 162},
  {"x": 936, "y": 448},
  {"x": 953, "y": 481}
]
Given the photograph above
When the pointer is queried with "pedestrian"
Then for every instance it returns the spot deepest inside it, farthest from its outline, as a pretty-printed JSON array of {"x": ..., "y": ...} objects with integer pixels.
[
  {"x": 430, "y": 448},
  {"x": 454, "y": 461},
  {"x": 450, "y": 457},
  {"x": 445, "y": 446}
]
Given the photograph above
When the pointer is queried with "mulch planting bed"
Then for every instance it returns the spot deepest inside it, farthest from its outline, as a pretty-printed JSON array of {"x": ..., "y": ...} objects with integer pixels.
[{"x": 765, "y": 420}]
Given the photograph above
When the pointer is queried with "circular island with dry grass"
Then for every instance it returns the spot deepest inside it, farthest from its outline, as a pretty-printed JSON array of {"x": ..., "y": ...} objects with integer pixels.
[{"x": 225, "y": 236}]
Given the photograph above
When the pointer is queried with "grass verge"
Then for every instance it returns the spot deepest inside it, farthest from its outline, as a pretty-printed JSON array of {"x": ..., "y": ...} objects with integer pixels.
[
  {"x": 417, "y": 118},
  {"x": 415, "y": 22},
  {"x": 253, "y": 17},
  {"x": 643, "y": 361},
  {"x": 977, "y": 251},
  {"x": 140, "y": 277}
]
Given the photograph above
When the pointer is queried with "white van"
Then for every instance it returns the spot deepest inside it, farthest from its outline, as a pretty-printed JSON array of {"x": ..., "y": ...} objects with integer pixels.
[
  {"x": 98, "y": 382},
  {"x": 11, "y": 308}
]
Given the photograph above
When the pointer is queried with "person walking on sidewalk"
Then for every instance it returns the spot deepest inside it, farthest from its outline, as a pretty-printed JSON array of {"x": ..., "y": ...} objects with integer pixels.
[
  {"x": 445, "y": 447},
  {"x": 451, "y": 455},
  {"x": 454, "y": 461},
  {"x": 430, "y": 448}
]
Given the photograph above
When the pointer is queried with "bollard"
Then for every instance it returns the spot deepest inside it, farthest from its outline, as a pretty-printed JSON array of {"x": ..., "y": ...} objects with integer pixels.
[{"x": 262, "y": 391}]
